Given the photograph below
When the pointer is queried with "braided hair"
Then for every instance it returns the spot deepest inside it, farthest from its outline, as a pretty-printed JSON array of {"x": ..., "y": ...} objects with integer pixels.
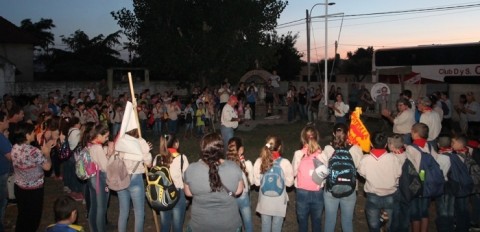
[{"x": 211, "y": 152}]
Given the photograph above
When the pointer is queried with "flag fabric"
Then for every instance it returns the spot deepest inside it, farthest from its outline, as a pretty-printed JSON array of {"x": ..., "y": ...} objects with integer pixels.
[
  {"x": 125, "y": 143},
  {"x": 358, "y": 133}
]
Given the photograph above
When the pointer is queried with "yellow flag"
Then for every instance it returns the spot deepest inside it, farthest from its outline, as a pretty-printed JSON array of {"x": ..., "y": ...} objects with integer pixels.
[{"x": 358, "y": 133}]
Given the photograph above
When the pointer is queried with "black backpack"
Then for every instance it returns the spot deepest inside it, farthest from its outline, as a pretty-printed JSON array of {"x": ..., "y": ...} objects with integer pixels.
[
  {"x": 188, "y": 117},
  {"x": 460, "y": 182},
  {"x": 342, "y": 175},
  {"x": 409, "y": 183}
]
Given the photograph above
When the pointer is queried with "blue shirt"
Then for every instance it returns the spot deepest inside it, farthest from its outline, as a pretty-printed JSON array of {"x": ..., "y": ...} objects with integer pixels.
[
  {"x": 5, "y": 148},
  {"x": 64, "y": 228}
]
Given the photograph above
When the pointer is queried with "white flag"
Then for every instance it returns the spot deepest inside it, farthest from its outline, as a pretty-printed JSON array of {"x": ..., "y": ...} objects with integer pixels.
[{"x": 125, "y": 143}]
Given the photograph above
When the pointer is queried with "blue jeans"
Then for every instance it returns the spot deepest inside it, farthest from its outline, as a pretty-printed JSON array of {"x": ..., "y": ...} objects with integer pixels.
[
  {"x": 174, "y": 218},
  {"x": 309, "y": 204},
  {"x": 98, "y": 202},
  {"x": 3, "y": 198},
  {"x": 400, "y": 216},
  {"x": 347, "y": 207},
  {"x": 227, "y": 134},
  {"x": 271, "y": 223},
  {"x": 342, "y": 119},
  {"x": 245, "y": 211},
  {"x": 172, "y": 126},
  {"x": 291, "y": 112},
  {"x": 303, "y": 111},
  {"x": 69, "y": 177},
  {"x": 157, "y": 126},
  {"x": 136, "y": 193},
  {"x": 445, "y": 212},
  {"x": 373, "y": 208}
]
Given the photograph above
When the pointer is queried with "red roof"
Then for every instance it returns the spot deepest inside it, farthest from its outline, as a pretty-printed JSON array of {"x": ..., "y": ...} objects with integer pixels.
[{"x": 13, "y": 34}]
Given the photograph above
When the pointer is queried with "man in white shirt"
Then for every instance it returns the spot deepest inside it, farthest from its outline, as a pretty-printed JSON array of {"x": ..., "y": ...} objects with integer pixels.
[
  {"x": 229, "y": 120},
  {"x": 431, "y": 118},
  {"x": 403, "y": 121},
  {"x": 275, "y": 78}
]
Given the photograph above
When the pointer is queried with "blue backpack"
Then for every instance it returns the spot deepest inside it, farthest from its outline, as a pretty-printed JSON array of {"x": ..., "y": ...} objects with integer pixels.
[
  {"x": 433, "y": 182},
  {"x": 342, "y": 176},
  {"x": 460, "y": 182},
  {"x": 273, "y": 181}
]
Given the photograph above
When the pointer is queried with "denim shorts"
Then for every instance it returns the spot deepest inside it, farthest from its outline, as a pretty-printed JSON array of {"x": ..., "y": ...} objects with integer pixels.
[{"x": 419, "y": 208}]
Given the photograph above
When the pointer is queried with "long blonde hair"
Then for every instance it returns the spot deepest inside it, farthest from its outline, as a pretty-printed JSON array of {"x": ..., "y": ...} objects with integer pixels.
[
  {"x": 309, "y": 137},
  {"x": 273, "y": 143}
]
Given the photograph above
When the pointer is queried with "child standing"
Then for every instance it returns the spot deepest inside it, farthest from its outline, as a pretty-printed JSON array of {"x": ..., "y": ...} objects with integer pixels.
[
  {"x": 66, "y": 214},
  {"x": 381, "y": 171},
  {"x": 189, "y": 113},
  {"x": 235, "y": 153},
  {"x": 272, "y": 208},
  {"x": 309, "y": 195},
  {"x": 200, "y": 115}
]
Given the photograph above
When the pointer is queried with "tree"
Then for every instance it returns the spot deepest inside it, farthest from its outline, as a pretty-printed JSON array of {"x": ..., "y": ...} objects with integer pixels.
[
  {"x": 289, "y": 59},
  {"x": 207, "y": 40},
  {"x": 41, "y": 30},
  {"x": 359, "y": 63}
]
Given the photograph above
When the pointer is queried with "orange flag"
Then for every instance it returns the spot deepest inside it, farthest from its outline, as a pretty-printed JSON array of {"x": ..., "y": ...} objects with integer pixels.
[{"x": 358, "y": 133}]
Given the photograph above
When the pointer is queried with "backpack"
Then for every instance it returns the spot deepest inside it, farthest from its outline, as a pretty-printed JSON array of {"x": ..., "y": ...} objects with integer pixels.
[
  {"x": 117, "y": 174},
  {"x": 161, "y": 192},
  {"x": 445, "y": 108},
  {"x": 65, "y": 151},
  {"x": 306, "y": 168},
  {"x": 85, "y": 168},
  {"x": 342, "y": 176},
  {"x": 460, "y": 183},
  {"x": 273, "y": 180},
  {"x": 409, "y": 183},
  {"x": 474, "y": 171},
  {"x": 433, "y": 181}
]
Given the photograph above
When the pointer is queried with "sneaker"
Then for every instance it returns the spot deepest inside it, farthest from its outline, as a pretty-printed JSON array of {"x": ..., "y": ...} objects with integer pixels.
[{"x": 76, "y": 196}]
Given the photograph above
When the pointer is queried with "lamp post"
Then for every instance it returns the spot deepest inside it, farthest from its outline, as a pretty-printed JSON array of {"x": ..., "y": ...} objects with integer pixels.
[{"x": 309, "y": 21}]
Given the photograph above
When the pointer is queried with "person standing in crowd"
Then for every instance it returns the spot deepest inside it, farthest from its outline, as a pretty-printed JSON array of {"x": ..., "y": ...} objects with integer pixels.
[
  {"x": 419, "y": 206},
  {"x": 272, "y": 208},
  {"x": 275, "y": 78},
  {"x": 15, "y": 116},
  {"x": 177, "y": 163},
  {"x": 353, "y": 96},
  {"x": 431, "y": 119},
  {"x": 99, "y": 193},
  {"x": 460, "y": 108},
  {"x": 340, "y": 109},
  {"x": 447, "y": 116},
  {"x": 229, "y": 120},
  {"x": 5, "y": 163},
  {"x": 71, "y": 183},
  {"x": 347, "y": 204},
  {"x": 302, "y": 102},
  {"x": 309, "y": 195},
  {"x": 269, "y": 98},
  {"x": 29, "y": 164},
  {"x": 214, "y": 183},
  {"x": 224, "y": 93},
  {"x": 472, "y": 110},
  {"x": 136, "y": 190},
  {"x": 173, "y": 110},
  {"x": 252, "y": 94},
  {"x": 381, "y": 171},
  {"x": 235, "y": 153},
  {"x": 315, "y": 100},
  {"x": 403, "y": 121}
]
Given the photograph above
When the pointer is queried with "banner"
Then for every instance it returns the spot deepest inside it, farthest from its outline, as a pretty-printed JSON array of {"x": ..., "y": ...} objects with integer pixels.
[
  {"x": 125, "y": 143},
  {"x": 358, "y": 133}
]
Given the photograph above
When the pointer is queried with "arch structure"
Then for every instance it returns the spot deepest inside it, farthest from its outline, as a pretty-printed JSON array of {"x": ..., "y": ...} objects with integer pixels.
[{"x": 259, "y": 76}]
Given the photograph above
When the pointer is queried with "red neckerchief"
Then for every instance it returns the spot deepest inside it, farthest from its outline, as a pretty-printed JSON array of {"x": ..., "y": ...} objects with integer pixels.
[
  {"x": 462, "y": 151},
  {"x": 427, "y": 108},
  {"x": 275, "y": 155},
  {"x": 173, "y": 151},
  {"x": 444, "y": 150},
  {"x": 420, "y": 142},
  {"x": 378, "y": 152},
  {"x": 473, "y": 143}
]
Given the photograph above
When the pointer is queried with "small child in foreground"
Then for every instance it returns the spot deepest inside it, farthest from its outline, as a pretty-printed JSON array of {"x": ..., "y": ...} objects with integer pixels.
[{"x": 65, "y": 215}]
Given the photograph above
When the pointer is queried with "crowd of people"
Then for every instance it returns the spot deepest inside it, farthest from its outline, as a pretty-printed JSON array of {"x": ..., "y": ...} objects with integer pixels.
[{"x": 34, "y": 132}]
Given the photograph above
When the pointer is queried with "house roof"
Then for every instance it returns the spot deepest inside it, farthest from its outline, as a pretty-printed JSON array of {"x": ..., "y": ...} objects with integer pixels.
[{"x": 13, "y": 34}]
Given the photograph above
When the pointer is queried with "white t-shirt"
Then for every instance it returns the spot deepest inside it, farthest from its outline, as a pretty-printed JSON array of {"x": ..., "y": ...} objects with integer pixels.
[
  {"x": 227, "y": 114},
  {"x": 275, "y": 81}
]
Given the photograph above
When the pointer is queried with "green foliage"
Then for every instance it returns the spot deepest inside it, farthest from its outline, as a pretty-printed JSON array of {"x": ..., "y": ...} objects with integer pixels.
[
  {"x": 359, "y": 63},
  {"x": 41, "y": 30},
  {"x": 204, "y": 41}
]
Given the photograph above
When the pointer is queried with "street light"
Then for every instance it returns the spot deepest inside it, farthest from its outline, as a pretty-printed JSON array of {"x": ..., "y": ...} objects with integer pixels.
[{"x": 309, "y": 21}]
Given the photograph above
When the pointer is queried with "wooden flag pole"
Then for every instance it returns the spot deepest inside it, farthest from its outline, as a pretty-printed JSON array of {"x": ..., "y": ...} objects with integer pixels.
[{"x": 134, "y": 103}]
